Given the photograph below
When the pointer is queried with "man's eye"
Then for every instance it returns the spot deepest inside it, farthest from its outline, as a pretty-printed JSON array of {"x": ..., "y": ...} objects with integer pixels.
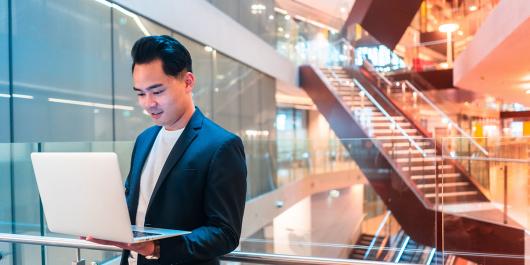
[
  {"x": 157, "y": 92},
  {"x": 140, "y": 94}
]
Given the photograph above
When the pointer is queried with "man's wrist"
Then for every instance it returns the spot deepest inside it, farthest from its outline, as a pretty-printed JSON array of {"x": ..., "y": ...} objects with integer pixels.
[{"x": 156, "y": 251}]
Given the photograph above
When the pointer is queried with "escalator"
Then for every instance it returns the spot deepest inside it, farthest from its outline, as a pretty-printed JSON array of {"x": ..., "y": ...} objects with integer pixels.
[
  {"x": 405, "y": 167},
  {"x": 393, "y": 245}
]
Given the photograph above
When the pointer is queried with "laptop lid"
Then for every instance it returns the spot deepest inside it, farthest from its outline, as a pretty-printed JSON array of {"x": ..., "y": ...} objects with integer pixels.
[{"x": 82, "y": 194}]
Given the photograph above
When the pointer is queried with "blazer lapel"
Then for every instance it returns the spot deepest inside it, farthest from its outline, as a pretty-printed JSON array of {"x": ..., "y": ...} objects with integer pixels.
[
  {"x": 188, "y": 135},
  {"x": 143, "y": 149}
]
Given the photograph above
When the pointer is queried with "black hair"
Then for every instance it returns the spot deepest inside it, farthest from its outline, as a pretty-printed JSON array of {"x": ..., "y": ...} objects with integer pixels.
[{"x": 174, "y": 56}]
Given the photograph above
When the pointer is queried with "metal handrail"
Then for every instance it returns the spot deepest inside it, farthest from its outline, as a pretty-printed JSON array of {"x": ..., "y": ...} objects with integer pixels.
[
  {"x": 380, "y": 75},
  {"x": 372, "y": 99},
  {"x": 239, "y": 256},
  {"x": 394, "y": 123},
  {"x": 440, "y": 112},
  {"x": 432, "y": 105}
]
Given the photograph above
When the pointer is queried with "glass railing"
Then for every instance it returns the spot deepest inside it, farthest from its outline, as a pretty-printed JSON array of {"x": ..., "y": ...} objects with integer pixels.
[
  {"x": 436, "y": 124},
  {"x": 372, "y": 199},
  {"x": 502, "y": 177},
  {"x": 502, "y": 209},
  {"x": 318, "y": 208}
]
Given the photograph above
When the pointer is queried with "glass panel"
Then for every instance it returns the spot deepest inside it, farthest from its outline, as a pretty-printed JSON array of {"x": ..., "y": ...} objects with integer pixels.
[
  {"x": 26, "y": 203},
  {"x": 5, "y": 201},
  {"x": 226, "y": 92},
  {"x": 4, "y": 74},
  {"x": 351, "y": 219},
  {"x": 129, "y": 117},
  {"x": 254, "y": 15},
  {"x": 258, "y": 180},
  {"x": 495, "y": 198},
  {"x": 230, "y": 8},
  {"x": 64, "y": 82},
  {"x": 330, "y": 211},
  {"x": 202, "y": 68}
]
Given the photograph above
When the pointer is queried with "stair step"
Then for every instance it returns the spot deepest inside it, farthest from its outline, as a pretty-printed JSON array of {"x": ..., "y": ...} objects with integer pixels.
[
  {"x": 404, "y": 144},
  {"x": 420, "y": 168},
  {"x": 452, "y": 194},
  {"x": 419, "y": 159},
  {"x": 450, "y": 184},
  {"x": 384, "y": 118},
  {"x": 387, "y": 131},
  {"x": 400, "y": 137},
  {"x": 445, "y": 175},
  {"x": 412, "y": 150},
  {"x": 389, "y": 124}
]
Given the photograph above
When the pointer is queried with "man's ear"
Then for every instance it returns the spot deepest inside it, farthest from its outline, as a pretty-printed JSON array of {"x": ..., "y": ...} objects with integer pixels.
[{"x": 189, "y": 80}]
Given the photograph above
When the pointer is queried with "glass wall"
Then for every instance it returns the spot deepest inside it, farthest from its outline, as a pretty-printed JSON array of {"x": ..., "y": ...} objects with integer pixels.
[
  {"x": 5, "y": 127},
  {"x": 4, "y": 74},
  {"x": 61, "y": 70},
  {"x": 256, "y": 16},
  {"x": 129, "y": 117}
]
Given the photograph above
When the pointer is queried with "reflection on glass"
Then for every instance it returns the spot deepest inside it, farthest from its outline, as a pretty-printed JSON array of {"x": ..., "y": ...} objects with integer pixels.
[
  {"x": 202, "y": 69},
  {"x": 72, "y": 62},
  {"x": 4, "y": 75},
  {"x": 129, "y": 122},
  {"x": 253, "y": 15}
]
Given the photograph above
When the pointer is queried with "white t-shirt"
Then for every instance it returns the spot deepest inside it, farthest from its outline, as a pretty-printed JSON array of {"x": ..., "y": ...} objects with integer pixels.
[{"x": 164, "y": 142}]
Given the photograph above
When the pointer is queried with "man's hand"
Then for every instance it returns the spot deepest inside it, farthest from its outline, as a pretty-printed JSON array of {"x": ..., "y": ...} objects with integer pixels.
[{"x": 142, "y": 248}]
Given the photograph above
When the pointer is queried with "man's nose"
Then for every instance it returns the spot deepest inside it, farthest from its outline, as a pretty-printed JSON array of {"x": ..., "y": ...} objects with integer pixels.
[{"x": 149, "y": 100}]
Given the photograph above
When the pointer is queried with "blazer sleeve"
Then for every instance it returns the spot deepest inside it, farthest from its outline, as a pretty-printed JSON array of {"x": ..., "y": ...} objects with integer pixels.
[{"x": 224, "y": 204}]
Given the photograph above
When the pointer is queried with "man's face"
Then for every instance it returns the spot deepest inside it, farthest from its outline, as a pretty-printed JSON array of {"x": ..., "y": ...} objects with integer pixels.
[{"x": 165, "y": 98}]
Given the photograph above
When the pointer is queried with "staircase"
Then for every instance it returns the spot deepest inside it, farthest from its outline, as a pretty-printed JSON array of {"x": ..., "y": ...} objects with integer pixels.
[
  {"x": 406, "y": 169},
  {"x": 363, "y": 244},
  {"x": 400, "y": 248},
  {"x": 452, "y": 186}
]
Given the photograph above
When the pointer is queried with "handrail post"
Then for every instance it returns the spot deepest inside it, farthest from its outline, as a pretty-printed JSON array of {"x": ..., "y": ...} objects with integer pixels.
[
  {"x": 505, "y": 219},
  {"x": 78, "y": 261},
  {"x": 410, "y": 161}
]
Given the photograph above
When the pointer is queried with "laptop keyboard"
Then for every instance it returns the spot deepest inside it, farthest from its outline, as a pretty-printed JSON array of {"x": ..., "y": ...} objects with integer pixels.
[{"x": 143, "y": 234}]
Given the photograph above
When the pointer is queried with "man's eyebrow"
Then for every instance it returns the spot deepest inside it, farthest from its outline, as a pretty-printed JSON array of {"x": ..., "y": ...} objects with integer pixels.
[{"x": 149, "y": 87}]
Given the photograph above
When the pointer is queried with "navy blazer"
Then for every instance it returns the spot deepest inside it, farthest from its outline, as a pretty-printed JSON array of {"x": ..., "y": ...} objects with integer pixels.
[{"x": 201, "y": 188}]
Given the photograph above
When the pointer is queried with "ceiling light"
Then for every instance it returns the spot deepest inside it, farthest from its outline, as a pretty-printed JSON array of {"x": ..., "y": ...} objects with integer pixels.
[
  {"x": 208, "y": 49},
  {"x": 473, "y": 8},
  {"x": 287, "y": 17},
  {"x": 460, "y": 33},
  {"x": 528, "y": 91},
  {"x": 257, "y": 8},
  {"x": 343, "y": 10},
  {"x": 449, "y": 27},
  {"x": 271, "y": 17},
  {"x": 287, "y": 35},
  {"x": 280, "y": 29}
]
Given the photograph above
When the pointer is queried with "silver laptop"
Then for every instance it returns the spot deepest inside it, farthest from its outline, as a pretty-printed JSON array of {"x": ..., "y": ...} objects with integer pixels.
[{"x": 82, "y": 194}]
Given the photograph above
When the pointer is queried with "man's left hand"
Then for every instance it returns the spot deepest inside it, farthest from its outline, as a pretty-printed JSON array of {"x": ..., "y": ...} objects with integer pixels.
[{"x": 142, "y": 248}]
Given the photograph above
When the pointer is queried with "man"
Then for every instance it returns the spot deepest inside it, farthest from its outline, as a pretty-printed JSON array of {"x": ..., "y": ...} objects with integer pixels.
[{"x": 187, "y": 173}]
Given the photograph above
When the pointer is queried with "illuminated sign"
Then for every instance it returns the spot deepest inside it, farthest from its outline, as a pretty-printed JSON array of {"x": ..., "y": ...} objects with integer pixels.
[{"x": 382, "y": 58}]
